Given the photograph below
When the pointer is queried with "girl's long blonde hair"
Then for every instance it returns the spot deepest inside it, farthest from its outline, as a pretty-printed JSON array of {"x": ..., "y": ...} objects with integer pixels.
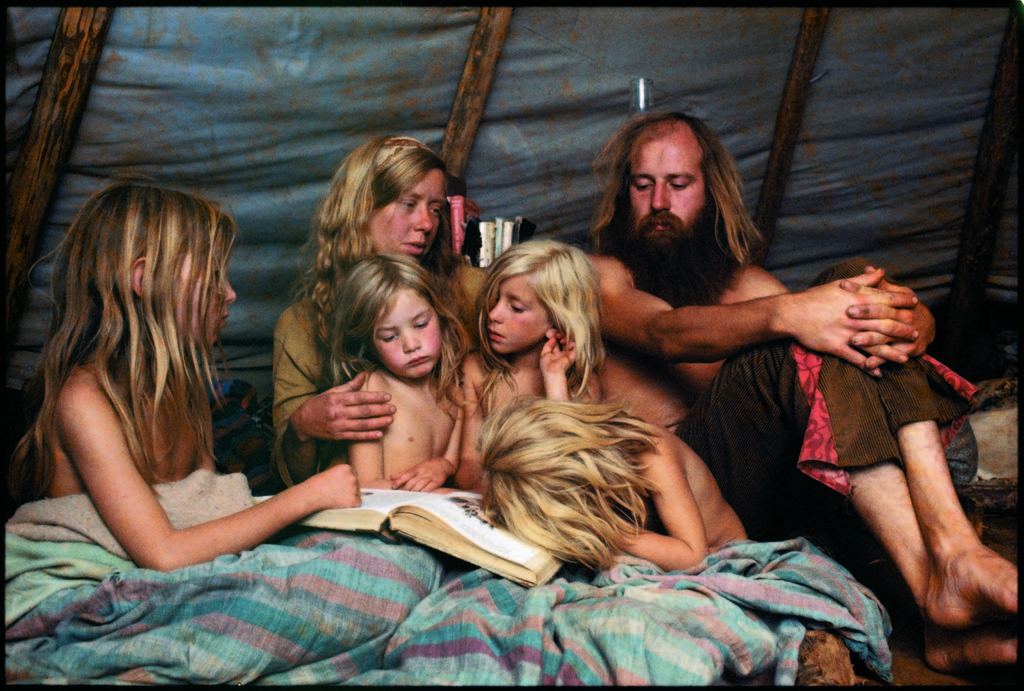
[
  {"x": 149, "y": 366},
  {"x": 367, "y": 294},
  {"x": 371, "y": 177},
  {"x": 565, "y": 282},
  {"x": 565, "y": 476}
]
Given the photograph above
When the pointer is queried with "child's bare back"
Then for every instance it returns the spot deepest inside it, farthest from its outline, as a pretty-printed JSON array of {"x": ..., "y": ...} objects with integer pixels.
[
  {"x": 86, "y": 420},
  {"x": 721, "y": 524}
]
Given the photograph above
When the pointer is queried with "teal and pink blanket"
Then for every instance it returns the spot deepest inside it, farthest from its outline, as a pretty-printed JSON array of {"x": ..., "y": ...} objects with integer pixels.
[{"x": 327, "y": 608}]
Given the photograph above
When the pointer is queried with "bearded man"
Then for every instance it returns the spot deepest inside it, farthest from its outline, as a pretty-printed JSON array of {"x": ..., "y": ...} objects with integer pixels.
[{"x": 754, "y": 377}]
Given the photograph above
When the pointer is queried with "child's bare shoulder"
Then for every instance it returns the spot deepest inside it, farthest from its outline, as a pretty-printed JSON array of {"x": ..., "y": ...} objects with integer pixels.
[
  {"x": 82, "y": 388},
  {"x": 376, "y": 380}
]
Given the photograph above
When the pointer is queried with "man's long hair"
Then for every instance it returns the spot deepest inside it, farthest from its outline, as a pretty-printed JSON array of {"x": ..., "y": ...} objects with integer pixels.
[{"x": 733, "y": 229}]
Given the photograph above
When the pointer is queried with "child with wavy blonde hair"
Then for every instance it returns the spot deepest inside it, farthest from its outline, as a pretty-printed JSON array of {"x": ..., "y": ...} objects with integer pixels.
[
  {"x": 540, "y": 334},
  {"x": 589, "y": 482},
  {"x": 119, "y": 401},
  {"x": 391, "y": 323}
]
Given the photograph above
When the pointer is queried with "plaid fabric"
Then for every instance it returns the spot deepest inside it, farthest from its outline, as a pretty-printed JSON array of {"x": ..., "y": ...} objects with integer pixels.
[
  {"x": 318, "y": 608},
  {"x": 738, "y": 617}
]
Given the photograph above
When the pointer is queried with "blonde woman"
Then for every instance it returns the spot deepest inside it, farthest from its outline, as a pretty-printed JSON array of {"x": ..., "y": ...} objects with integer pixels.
[
  {"x": 589, "y": 482},
  {"x": 391, "y": 322},
  {"x": 120, "y": 399},
  {"x": 539, "y": 333},
  {"x": 387, "y": 197}
]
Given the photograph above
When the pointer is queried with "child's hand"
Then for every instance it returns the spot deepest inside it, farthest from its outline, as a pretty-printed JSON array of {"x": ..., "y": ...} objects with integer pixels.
[
  {"x": 557, "y": 355},
  {"x": 423, "y": 477},
  {"x": 336, "y": 488}
]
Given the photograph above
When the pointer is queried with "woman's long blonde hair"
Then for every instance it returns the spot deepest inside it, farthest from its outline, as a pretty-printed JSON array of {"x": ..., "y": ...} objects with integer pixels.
[
  {"x": 367, "y": 294},
  {"x": 565, "y": 282},
  {"x": 149, "y": 366},
  {"x": 371, "y": 177},
  {"x": 565, "y": 476}
]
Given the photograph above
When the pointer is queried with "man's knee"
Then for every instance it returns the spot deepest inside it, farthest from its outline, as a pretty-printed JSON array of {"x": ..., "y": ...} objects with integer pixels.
[{"x": 845, "y": 269}]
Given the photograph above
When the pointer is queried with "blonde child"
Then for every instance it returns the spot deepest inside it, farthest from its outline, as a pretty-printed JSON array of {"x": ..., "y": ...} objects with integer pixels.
[
  {"x": 589, "y": 482},
  {"x": 540, "y": 335},
  {"x": 120, "y": 399},
  {"x": 391, "y": 323}
]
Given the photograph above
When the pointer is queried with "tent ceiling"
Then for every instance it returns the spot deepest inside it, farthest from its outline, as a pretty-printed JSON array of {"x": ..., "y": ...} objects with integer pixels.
[{"x": 256, "y": 106}]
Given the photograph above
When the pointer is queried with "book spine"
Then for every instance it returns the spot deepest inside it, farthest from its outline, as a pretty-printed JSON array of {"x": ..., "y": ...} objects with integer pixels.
[
  {"x": 458, "y": 205},
  {"x": 506, "y": 235},
  {"x": 486, "y": 243}
]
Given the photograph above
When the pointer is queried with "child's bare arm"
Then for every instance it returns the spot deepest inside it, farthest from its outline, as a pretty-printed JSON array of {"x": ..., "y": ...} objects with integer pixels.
[
  {"x": 367, "y": 461},
  {"x": 555, "y": 359},
  {"x": 686, "y": 543},
  {"x": 90, "y": 432},
  {"x": 468, "y": 475},
  {"x": 367, "y": 457}
]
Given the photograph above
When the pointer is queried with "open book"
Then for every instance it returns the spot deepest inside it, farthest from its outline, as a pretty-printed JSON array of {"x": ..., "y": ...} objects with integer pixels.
[{"x": 453, "y": 523}]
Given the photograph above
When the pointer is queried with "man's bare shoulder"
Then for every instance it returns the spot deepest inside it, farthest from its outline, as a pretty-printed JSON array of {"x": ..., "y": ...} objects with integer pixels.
[
  {"x": 752, "y": 282},
  {"x": 603, "y": 262},
  {"x": 612, "y": 274}
]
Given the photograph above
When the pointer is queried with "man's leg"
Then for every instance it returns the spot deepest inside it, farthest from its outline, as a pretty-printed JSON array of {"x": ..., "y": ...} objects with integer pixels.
[{"x": 967, "y": 594}]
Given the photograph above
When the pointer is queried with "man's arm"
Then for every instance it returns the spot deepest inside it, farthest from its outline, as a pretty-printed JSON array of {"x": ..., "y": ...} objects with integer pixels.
[
  {"x": 645, "y": 323},
  {"x": 761, "y": 310}
]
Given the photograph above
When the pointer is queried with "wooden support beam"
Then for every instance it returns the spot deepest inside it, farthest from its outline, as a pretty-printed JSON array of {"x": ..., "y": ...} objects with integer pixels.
[
  {"x": 788, "y": 122},
  {"x": 996, "y": 152},
  {"x": 474, "y": 87},
  {"x": 67, "y": 76}
]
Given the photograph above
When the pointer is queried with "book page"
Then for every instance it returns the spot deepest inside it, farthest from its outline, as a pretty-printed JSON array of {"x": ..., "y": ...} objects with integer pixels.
[
  {"x": 372, "y": 514},
  {"x": 461, "y": 511}
]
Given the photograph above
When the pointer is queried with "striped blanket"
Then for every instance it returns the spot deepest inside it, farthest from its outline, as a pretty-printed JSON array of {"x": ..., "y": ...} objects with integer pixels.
[
  {"x": 323, "y": 608},
  {"x": 319, "y": 607},
  {"x": 736, "y": 618}
]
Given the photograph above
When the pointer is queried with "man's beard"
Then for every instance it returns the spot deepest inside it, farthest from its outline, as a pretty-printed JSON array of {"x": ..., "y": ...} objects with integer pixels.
[{"x": 681, "y": 264}]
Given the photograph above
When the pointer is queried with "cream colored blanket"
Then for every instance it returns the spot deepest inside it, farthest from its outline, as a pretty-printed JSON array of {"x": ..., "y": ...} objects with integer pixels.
[{"x": 201, "y": 497}]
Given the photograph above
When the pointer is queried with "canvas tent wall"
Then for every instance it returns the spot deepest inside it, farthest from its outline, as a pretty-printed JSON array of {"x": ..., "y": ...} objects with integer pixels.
[{"x": 255, "y": 107}]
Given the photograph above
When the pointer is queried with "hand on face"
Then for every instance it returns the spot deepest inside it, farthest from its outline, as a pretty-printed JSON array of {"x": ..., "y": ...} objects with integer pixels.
[{"x": 558, "y": 355}]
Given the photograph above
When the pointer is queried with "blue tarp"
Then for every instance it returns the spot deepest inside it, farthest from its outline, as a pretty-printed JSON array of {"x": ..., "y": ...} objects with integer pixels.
[{"x": 256, "y": 106}]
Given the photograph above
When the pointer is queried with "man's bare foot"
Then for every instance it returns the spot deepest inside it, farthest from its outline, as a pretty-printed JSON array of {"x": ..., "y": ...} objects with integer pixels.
[
  {"x": 951, "y": 652},
  {"x": 975, "y": 588}
]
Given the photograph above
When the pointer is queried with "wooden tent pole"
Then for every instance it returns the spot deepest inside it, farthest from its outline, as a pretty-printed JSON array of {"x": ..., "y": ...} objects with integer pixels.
[
  {"x": 996, "y": 151},
  {"x": 474, "y": 87},
  {"x": 67, "y": 76},
  {"x": 788, "y": 121}
]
